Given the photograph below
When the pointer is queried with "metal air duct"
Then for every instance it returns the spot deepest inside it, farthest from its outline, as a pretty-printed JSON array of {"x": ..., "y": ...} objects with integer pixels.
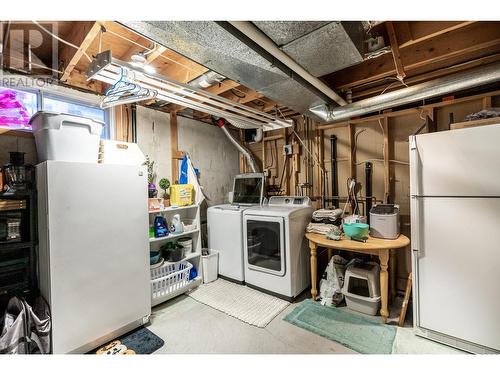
[
  {"x": 221, "y": 123},
  {"x": 452, "y": 83}
]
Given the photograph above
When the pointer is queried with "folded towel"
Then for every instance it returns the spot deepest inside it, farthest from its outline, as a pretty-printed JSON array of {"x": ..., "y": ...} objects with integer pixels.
[
  {"x": 327, "y": 214},
  {"x": 320, "y": 228}
]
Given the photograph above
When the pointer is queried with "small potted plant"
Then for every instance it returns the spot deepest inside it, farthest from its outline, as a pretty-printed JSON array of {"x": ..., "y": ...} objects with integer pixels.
[
  {"x": 152, "y": 191},
  {"x": 164, "y": 184}
]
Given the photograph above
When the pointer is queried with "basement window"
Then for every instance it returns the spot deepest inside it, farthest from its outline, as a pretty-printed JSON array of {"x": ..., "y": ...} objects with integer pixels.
[
  {"x": 17, "y": 107},
  {"x": 64, "y": 105}
]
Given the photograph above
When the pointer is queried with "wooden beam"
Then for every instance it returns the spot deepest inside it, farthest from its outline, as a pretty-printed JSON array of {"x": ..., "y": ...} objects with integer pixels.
[
  {"x": 352, "y": 154},
  {"x": 387, "y": 181},
  {"x": 216, "y": 89},
  {"x": 155, "y": 54},
  {"x": 476, "y": 40},
  {"x": 242, "y": 94},
  {"x": 174, "y": 147},
  {"x": 357, "y": 95},
  {"x": 400, "y": 71},
  {"x": 81, "y": 36},
  {"x": 423, "y": 30}
]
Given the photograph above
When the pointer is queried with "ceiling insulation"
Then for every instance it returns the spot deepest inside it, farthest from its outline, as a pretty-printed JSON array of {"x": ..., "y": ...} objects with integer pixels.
[{"x": 211, "y": 45}]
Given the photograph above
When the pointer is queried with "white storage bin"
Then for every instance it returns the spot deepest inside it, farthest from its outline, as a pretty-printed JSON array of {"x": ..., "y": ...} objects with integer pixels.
[
  {"x": 169, "y": 279},
  {"x": 362, "y": 288},
  {"x": 66, "y": 137},
  {"x": 210, "y": 266},
  {"x": 189, "y": 225},
  {"x": 116, "y": 152},
  {"x": 186, "y": 243}
]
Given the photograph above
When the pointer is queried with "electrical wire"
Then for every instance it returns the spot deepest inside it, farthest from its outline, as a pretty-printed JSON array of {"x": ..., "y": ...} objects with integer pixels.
[
  {"x": 356, "y": 140},
  {"x": 62, "y": 40},
  {"x": 37, "y": 65}
]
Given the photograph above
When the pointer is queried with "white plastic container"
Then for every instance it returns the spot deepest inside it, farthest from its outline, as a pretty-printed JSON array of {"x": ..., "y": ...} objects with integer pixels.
[
  {"x": 187, "y": 244},
  {"x": 116, "y": 152},
  {"x": 210, "y": 266},
  {"x": 66, "y": 137},
  {"x": 189, "y": 225},
  {"x": 362, "y": 288}
]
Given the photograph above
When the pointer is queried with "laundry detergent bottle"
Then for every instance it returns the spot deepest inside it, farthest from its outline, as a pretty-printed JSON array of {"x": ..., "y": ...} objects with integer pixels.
[{"x": 160, "y": 226}]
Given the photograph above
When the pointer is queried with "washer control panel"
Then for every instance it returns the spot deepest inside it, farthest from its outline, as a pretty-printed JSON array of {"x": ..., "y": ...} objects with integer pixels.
[{"x": 289, "y": 201}]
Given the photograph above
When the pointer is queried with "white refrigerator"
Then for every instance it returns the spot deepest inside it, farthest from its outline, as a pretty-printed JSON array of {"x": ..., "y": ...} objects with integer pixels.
[
  {"x": 455, "y": 223},
  {"x": 93, "y": 251}
]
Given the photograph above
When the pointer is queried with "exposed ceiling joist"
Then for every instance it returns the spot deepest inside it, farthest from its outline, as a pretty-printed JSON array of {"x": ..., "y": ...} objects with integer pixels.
[
  {"x": 470, "y": 42},
  {"x": 155, "y": 54},
  {"x": 382, "y": 85},
  {"x": 80, "y": 36},
  {"x": 400, "y": 71},
  {"x": 242, "y": 94},
  {"x": 226, "y": 85},
  {"x": 411, "y": 32}
]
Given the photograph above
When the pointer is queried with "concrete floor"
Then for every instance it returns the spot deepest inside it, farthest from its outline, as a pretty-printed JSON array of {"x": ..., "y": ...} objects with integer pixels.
[{"x": 190, "y": 327}]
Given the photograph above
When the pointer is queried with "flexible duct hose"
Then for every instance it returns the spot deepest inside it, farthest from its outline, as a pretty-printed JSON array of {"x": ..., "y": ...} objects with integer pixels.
[{"x": 245, "y": 151}]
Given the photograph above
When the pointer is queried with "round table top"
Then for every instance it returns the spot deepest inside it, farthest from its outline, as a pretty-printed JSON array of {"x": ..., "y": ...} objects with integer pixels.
[{"x": 371, "y": 243}]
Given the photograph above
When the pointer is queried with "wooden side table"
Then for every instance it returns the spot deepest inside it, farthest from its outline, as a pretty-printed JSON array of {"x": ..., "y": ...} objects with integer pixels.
[{"x": 384, "y": 249}]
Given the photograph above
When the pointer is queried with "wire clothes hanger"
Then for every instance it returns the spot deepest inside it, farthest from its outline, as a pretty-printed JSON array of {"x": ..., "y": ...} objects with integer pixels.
[{"x": 124, "y": 92}]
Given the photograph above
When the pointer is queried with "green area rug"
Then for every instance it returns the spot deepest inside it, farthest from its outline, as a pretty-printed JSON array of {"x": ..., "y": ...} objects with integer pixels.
[{"x": 364, "y": 335}]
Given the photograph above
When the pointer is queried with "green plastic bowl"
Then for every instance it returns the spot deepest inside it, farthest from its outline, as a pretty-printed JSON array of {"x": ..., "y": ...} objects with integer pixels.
[{"x": 356, "y": 230}]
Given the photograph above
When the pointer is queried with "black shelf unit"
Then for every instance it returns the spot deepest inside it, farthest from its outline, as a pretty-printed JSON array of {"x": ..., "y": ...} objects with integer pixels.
[{"x": 18, "y": 260}]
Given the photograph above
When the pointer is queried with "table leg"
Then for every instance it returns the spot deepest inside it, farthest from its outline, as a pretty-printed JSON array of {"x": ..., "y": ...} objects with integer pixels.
[
  {"x": 314, "y": 269},
  {"x": 330, "y": 253},
  {"x": 392, "y": 274},
  {"x": 384, "y": 260}
]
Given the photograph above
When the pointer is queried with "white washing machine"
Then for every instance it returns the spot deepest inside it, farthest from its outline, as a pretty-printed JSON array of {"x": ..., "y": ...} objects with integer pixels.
[
  {"x": 225, "y": 234},
  {"x": 225, "y": 225},
  {"x": 275, "y": 249}
]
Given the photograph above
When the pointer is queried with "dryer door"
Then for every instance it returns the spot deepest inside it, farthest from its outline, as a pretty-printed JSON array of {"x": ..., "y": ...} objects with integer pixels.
[{"x": 265, "y": 244}]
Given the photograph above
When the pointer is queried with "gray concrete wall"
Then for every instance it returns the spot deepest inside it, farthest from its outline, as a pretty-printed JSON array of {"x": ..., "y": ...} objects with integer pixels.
[
  {"x": 153, "y": 137},
  {"x": 213, "y": 154}
]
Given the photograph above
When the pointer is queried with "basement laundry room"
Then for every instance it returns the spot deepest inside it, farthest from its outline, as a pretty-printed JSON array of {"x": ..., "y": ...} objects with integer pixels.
[{"x": 277, "y": 186}]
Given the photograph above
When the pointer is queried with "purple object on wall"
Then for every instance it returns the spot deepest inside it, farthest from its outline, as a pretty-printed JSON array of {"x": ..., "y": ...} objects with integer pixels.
[{"x": 13, "y": 113}]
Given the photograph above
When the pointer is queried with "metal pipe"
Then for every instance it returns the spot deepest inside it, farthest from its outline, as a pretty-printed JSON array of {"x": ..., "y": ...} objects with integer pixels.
[
  {"x": 254, "y": 34},
  {"x": 368, "y": 189},
  {"x": 444, "y": 85},
  {"x": 241, "y": 148},
  {"x": 335, "y": 173}
]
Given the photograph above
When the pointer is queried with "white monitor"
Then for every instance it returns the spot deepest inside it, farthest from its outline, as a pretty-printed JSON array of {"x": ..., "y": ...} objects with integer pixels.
[{"x": 248, "y": 189}]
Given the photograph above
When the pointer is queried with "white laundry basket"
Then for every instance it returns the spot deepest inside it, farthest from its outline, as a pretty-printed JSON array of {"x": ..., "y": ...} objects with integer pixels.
[
  {"x": 210, "y": 266},
  {"x": 66, "y": 137},
  {"x": 362, "y": 288},
  {"x": 169, "y": 279}
]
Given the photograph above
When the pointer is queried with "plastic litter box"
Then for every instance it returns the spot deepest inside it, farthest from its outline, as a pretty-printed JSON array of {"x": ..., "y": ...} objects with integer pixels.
[
  {"x": 65, "y": 137},
  {"x": 362, "y": 288}
]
